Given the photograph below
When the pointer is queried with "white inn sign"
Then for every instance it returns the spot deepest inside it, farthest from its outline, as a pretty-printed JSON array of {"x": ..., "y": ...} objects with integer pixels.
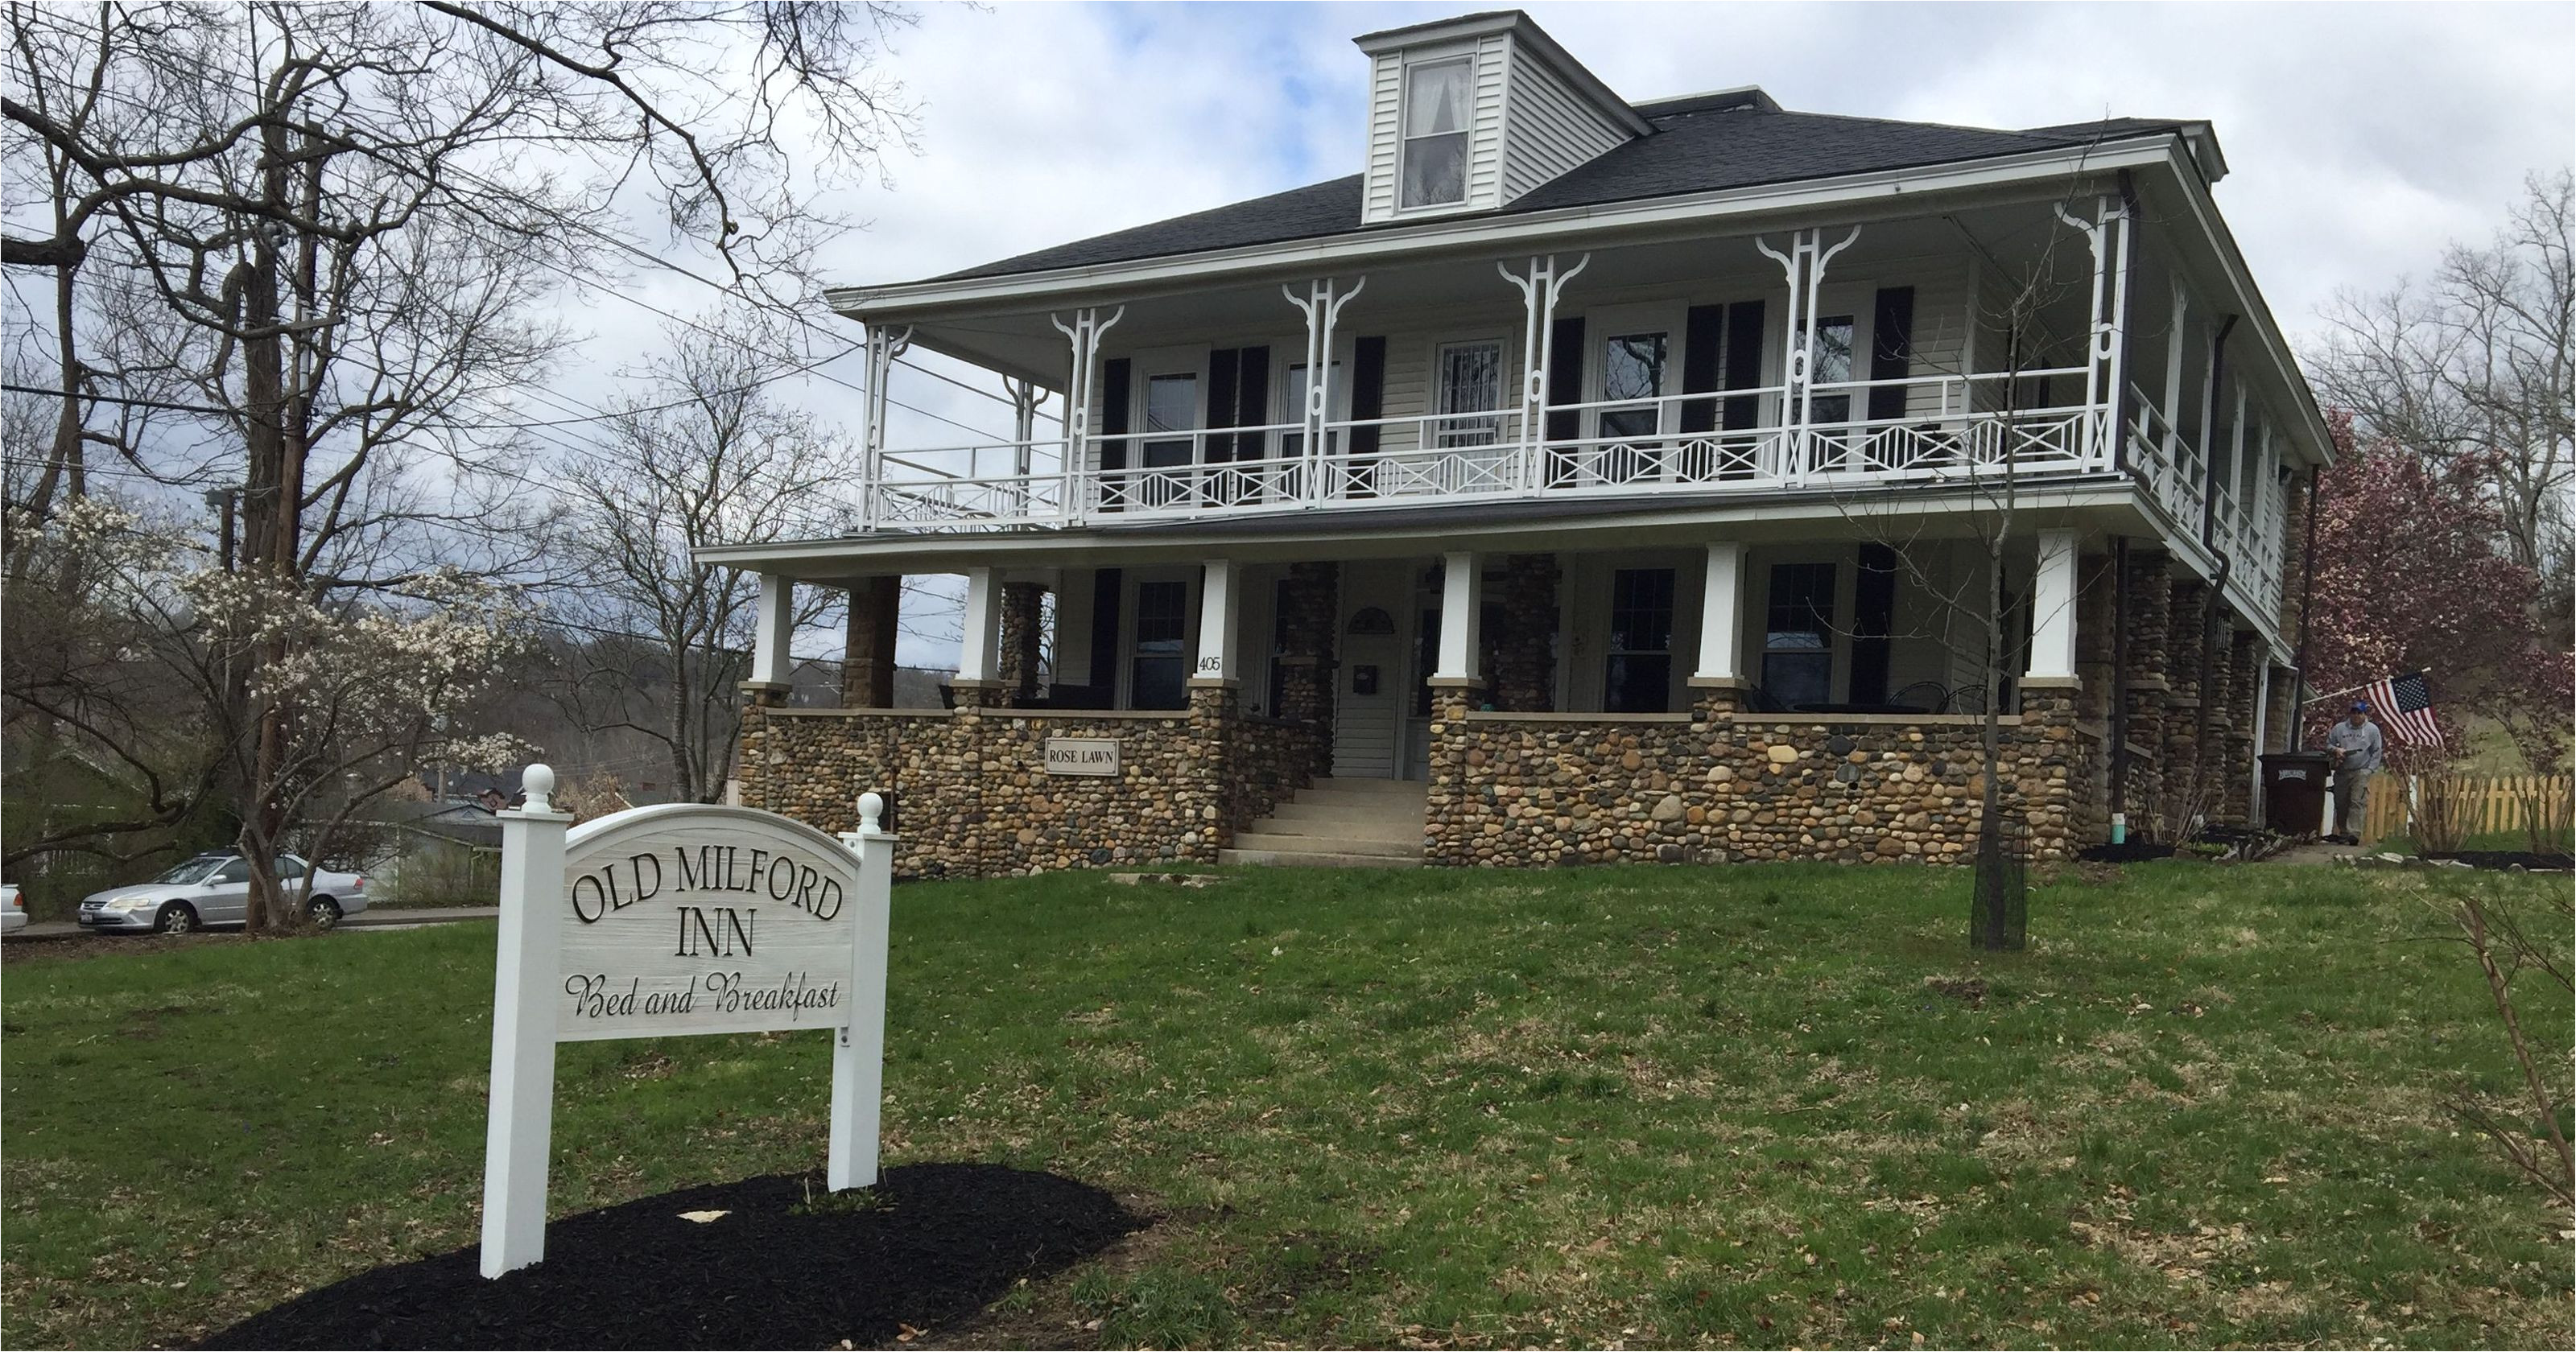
[{"x": 668, "y": 920}]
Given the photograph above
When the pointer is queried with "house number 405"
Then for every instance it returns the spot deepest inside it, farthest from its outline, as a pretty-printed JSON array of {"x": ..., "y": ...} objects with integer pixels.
[{"x": 1211, "y": 666}]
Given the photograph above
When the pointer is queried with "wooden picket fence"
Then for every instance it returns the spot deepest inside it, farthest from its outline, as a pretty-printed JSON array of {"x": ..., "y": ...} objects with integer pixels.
[{"x": 2491, "y": 802}]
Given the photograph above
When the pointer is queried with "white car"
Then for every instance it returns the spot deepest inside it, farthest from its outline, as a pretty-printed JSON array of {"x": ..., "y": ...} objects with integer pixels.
[
  {"x": 214, "y": 889},
  {"x": 13, "y": 909}
]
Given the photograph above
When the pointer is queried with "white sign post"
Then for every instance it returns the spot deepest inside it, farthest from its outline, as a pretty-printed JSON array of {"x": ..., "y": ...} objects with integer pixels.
[{"x": 668, "y": 920}]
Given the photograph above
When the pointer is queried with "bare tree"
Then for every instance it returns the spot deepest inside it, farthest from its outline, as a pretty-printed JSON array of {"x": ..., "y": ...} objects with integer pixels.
[
  {"x": 1974, "y": 615},
  {"x": 323, "y": 235},
  {"x": 2476, "y": 368},
  {"x": 699, "y": 453}
]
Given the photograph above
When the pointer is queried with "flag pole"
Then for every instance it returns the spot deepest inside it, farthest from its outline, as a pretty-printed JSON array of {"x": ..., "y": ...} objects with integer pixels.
[{"x": 2426, "y": 673}]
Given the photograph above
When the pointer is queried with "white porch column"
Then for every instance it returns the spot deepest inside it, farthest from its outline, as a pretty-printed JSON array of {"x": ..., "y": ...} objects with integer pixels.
[
  {"x": 1721, "y": 616},
  {"x": 1220, "y": 606},
  {"x": 2052, "y": 609},
  {"x": 772, "y": 625},
  {"x": 975, "y": 651},
  {"x": 1462, "y": 603}
]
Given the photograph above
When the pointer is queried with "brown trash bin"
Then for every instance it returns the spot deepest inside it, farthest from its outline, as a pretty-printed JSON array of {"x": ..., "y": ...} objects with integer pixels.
[{"x": 2294, "y": 791}]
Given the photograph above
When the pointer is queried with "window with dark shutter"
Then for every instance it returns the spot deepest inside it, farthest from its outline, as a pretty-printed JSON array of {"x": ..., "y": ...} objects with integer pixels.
[
  {"x": 1743, "y": 365},
  {"x": 1117, "y": 385},
  {"x": 1368, "y": 403},
  {"x": 1873, "y": 620}
]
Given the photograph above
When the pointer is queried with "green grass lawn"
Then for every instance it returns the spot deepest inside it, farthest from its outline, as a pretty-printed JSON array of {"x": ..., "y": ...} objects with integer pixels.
[{"x": 1757, "y": 1106}]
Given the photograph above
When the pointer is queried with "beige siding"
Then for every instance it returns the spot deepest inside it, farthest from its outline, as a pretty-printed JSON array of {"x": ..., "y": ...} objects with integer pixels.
[
  {"x": 1550, "y": 129},
  {"x": 1386, "y": 96},
  {"x": 1411, "y": 364},
  {"x": 1485, "y": 136}
]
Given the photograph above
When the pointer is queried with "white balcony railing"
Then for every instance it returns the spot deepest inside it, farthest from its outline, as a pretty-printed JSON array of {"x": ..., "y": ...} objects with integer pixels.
[
  {"x": 1955, "y": 428},
  {"x": 2249, "y": 534}
]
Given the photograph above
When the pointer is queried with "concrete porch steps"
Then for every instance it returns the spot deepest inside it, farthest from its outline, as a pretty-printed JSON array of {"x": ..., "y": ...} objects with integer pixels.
[{"x": 1339, "y": 823}]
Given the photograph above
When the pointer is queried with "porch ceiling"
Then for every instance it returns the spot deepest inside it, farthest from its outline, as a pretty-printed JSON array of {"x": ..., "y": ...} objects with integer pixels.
[{"x": 1025, "y": 344}]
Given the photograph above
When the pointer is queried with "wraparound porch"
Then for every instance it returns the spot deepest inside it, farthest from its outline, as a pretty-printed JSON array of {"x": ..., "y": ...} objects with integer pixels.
[{"x": 1651, "y": 686}]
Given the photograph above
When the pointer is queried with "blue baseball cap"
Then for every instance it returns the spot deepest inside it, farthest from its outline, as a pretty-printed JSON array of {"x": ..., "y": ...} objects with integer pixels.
[{"x": 2361, "y": 706}]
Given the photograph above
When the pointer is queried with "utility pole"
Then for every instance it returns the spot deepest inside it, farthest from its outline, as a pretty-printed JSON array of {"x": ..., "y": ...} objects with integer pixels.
[{"x": 226, "y": 502}]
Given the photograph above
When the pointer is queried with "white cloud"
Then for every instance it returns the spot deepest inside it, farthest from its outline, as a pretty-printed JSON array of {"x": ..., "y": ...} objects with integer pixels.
[{"x": 2361, "y": 139}]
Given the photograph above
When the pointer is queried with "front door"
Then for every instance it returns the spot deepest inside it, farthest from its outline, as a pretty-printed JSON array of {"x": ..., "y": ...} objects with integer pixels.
[{"x": 1372, "y": 694}]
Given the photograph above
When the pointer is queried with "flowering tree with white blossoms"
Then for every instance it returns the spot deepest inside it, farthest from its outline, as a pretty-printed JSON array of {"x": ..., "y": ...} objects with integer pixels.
[
  {"x": 303, "y": 710},
  {"x": 321, "y": 708}
]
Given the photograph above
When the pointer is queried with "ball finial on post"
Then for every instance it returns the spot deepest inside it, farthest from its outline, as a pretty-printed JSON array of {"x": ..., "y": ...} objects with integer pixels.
[
  {"x": 538, "y": 783},
  {"x": 871, "y": 813}
]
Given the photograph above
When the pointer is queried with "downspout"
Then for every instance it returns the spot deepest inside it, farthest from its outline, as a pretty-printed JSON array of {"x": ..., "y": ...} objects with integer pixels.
[{"x": 2307, "y": 595}]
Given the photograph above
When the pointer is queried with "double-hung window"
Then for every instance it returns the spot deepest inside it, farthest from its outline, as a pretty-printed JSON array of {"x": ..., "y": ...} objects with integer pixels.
[
  {"x": 1467, "y": 400},
  {"x": 1438, "y": 99},
  {"x": 1632, "y": 368},
  {"x": 1798, "y": 641},
  {"x": 1171, "y": 405},
  {"x": 1639, "y": 677}
]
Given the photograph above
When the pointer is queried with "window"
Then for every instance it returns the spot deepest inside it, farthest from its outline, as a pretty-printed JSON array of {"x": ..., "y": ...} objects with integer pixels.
[
  {"x": 1798, "y": 640},
  {"x": 1471, "y": 381},
  {"x": 238, "y": 871},
  {"x": 1160, "y": 675},
  {"x": 1437, "y": 98},
  {"x": 289, "y": 868},
  {"x": 1171, "y": 405},
  {"x": 1639, "y": 679},
  {"x": 1632, "y": 367},
  {"x": 1829, "y": 362}
]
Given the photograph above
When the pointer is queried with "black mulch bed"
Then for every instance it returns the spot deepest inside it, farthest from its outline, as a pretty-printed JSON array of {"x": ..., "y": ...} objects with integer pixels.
[
  {"x": 2130, "y": 852},
  {"x": 790, "y": 1267},
  {"x": 2504, "y": 859}
]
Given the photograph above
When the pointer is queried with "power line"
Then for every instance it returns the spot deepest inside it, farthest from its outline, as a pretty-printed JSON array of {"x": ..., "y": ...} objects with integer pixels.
[{"x": 657, "y": 260}]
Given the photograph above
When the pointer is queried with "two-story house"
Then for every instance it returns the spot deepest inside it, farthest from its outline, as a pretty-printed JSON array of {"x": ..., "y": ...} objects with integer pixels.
[{"x": 1583, "y": 480}]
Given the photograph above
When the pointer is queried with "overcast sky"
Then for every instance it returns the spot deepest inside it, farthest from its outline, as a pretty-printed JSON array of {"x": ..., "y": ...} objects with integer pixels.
[{"x": 2360, "y": 139}]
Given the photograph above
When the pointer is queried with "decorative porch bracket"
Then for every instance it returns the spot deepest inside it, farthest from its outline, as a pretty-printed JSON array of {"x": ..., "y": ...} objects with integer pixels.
[
  {"x": 1085, "y": 333},
  {"x": 1804, "y": 264},
  {"x": 1322, "y": 306},
  {"x": 1539, "y": 291},
  {"x": 2105, "y": 356},
  {"x": 884, "y": 345}
]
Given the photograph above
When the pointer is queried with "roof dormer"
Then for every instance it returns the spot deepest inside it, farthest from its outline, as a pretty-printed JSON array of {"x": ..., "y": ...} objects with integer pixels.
[{"x": 1468, "y": 114}]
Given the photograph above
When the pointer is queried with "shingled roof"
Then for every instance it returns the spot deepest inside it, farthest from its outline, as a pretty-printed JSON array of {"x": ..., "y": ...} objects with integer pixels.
[{"x": 1702, "y": 143}]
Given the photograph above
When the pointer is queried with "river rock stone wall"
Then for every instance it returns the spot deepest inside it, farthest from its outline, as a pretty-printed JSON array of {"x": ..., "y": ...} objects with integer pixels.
[
  {"x": 1719, "y": 788},
  {"x": 970, "y": 795}
]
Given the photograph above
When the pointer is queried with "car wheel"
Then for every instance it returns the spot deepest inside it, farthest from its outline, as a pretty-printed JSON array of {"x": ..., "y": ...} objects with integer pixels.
[
  {"x": 177, "y": 917},
  {"x": 323, "y": 912}
]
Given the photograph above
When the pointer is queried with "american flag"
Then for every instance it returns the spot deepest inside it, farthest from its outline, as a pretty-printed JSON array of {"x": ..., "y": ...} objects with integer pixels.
[{"x": 2405, "y": 704}]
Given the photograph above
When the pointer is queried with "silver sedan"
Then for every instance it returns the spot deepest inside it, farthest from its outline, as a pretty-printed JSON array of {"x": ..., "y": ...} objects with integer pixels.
[{"x": 214, "y": 889}]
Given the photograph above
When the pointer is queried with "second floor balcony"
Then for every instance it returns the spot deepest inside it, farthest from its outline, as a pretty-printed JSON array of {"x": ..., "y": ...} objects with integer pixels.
[{"x": 1979, "y": 352}]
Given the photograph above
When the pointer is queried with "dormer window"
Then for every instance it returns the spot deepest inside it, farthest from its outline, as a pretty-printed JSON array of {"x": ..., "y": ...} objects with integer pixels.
[{"x": 1438, "y": 97}]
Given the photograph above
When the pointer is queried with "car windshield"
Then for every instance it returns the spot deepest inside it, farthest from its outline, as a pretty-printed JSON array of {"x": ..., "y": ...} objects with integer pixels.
[{"x": 195, "y": 870}]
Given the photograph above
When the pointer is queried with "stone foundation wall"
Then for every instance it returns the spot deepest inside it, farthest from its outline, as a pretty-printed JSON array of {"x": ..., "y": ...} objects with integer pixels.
[
  {"x": 1309, "y": 605},
  {"x": 2244, "y": 693},
  {"x": 1017, "y": 652},
  {"x": 1715, "y": 787},
  {"x": 1523, "y": 660},
  {"x": 971, "y": 797},
  {"x": 2149, "y": 612}
]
